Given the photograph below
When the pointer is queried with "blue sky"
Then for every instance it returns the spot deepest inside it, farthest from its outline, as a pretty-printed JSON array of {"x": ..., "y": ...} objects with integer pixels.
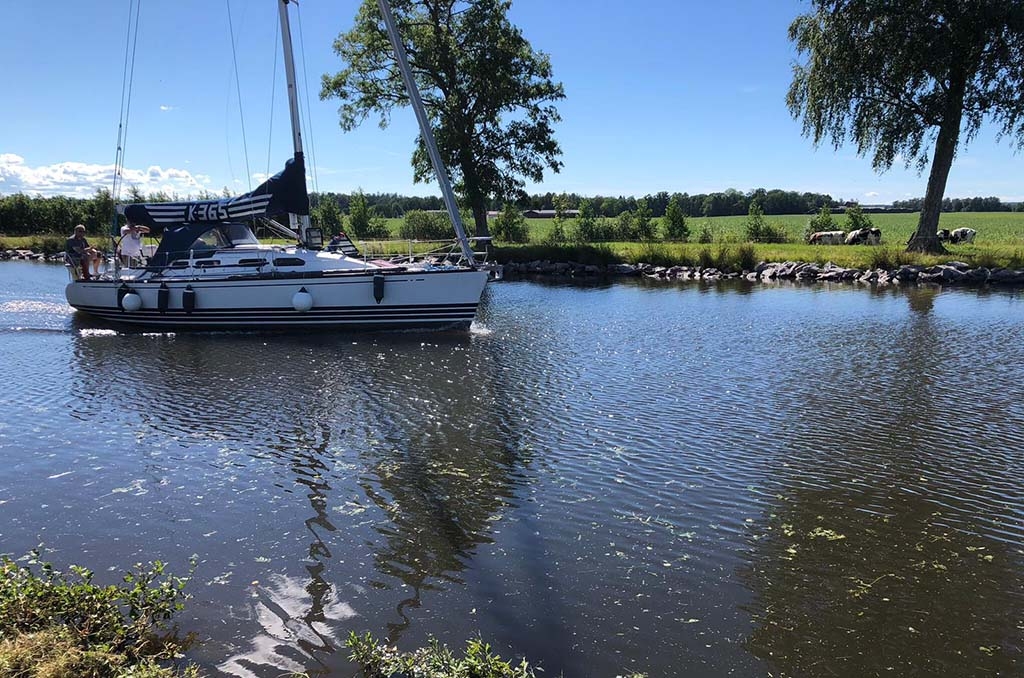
[{"x": 660, "y": 95}]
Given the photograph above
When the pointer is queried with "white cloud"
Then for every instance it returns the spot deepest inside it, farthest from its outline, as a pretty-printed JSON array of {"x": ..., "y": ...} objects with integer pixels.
[
  {"x": 165, "y": 107},
  {"x": 871, "y": 194},
  {"x": 81, "y": 179}
]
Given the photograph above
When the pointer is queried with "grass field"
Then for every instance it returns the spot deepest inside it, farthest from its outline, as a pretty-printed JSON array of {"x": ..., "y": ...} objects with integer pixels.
[{"x": 1000, "y": 242}]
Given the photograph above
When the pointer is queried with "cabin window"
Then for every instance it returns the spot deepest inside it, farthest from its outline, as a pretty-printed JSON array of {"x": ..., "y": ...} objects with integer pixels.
[
  {"x": 252, "y": 262},
  {"x": 208, "y": 263},
  {"x": 179, "y": 263},
  {"x": 288, "y": 261}
]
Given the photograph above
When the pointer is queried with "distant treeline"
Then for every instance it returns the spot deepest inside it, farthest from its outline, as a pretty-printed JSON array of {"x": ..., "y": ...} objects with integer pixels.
[
  {"x": 963, "y": 205},
  {"x": 730, "y": 202},
  {"x": 21, "y": 214}
]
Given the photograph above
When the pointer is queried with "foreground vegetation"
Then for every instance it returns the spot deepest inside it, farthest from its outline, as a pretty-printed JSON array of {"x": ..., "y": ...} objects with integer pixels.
[
  {"x": 379, "y": 660},
  {"x": 719, "y": 241},
  {"x": 64, "y": 625}
]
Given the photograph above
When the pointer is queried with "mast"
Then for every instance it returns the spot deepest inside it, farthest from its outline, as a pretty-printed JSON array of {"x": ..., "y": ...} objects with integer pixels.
[
  {"x": 299, "y": 223},
  {"x": 426, "y": 132}
]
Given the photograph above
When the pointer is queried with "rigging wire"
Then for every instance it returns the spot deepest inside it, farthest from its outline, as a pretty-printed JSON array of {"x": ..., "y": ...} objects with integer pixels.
[
  {"x": 273, "y": 89},
  {"x": 127, "y": 78},
  {"x": 309, "y": 117},
  {"x": 238, "y": 89}
]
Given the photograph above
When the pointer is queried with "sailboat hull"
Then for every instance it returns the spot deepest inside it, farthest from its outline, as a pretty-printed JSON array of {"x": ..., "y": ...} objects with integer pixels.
[{"x": 436, "y": 299}]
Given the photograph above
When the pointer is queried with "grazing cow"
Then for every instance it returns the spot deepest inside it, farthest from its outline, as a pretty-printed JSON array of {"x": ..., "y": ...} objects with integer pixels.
[
  {"x": 864, "y": 236},
  {"x": 827, "y": 238},
  {"x": 962, "y": 235},
  {"x": 943, "y": 235}
]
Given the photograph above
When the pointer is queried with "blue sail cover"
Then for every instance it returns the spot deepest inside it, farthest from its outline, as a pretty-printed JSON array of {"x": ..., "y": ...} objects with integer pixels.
[{"x": 283, "y": 193}]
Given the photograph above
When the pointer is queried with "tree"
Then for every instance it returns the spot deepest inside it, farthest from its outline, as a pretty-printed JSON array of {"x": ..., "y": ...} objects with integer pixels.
[
  {"x": 822, "y": 221},
  {"x": 510, "y": 226},
  {"x": 488, "y": 93},
  {"x": 556, "y": 236},
  {"x": 359, "y": 215},
  {"x": 856, "y": 219},
  {"x": 643, "y": 221},
  {"x": 675, "y": 221},
  {"x": 585, "y": 228},
  {"x": 891, "y": 75},
  {"x": 327, "y": 215}
]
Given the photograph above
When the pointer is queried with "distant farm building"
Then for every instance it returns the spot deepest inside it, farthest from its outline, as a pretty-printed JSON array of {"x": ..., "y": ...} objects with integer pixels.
[{"x": 549, "y": 214}]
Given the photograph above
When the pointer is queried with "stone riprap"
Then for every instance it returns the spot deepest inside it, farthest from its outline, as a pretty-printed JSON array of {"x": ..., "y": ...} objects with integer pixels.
[{"x": 951, "y": 273}]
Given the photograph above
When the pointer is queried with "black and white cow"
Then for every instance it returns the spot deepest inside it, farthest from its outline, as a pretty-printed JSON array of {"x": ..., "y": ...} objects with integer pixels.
[
  {"x": 864, "y": 236},
  {"x": 965, "y": 235},
  {"x": 827, "y": 238}
]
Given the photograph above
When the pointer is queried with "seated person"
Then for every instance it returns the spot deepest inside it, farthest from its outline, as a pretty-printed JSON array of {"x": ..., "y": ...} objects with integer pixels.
[
  {"x": 80, "y": 255},
  {"x": 131, "y": 243},
  {"x": 336, "y": 242}
]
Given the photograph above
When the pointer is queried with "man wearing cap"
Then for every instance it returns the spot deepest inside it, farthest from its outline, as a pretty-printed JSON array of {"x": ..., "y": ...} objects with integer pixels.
[
  {"x": 80, "y": 255},
  {"x": 131, "y": 242}
]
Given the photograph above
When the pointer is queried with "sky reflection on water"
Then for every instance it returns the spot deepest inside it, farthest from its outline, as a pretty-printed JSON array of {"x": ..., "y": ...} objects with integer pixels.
[{"x": 682, "y": 480}]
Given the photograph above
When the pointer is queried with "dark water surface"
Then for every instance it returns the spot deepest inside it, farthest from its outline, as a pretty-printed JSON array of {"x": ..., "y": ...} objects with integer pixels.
[{"x": 685, "y": 481}]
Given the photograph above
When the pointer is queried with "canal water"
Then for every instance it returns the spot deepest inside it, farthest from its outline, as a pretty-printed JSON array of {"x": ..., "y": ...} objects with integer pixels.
[{"x": 681, "y": 480}]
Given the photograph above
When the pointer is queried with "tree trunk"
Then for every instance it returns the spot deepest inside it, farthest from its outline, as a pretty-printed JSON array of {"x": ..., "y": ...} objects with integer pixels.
[
  {"x": 480, "y": 220},
  {"x": 926, "y": 238}
]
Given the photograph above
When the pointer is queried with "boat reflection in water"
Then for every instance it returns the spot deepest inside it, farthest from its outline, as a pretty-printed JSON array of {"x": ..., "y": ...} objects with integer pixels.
[{"x": 393, "y": 453}]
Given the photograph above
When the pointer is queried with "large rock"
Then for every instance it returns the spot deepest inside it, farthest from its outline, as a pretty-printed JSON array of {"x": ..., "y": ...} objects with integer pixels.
[
  {"x": 1006, "y": 276},
  {"x": 976, "y": 276}
]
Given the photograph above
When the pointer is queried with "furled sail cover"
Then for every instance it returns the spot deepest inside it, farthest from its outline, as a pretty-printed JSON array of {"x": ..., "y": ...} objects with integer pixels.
[{"x": 285, "y": 192}]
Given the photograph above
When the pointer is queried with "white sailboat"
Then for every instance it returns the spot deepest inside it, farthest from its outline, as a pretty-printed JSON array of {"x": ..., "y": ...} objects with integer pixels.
[{"x": 210, "y": 271}]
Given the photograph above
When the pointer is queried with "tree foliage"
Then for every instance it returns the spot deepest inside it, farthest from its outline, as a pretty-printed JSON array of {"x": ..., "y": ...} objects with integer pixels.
[
  {"x": 856, "y": 219},
  {"x": 675, "y": 221},
  {"x": 327, "y": 216},
  {"x": 510, "y": 226},
  {"x": 363, "y": 219},
  {"x": 895, "y": 75},
  {"x": 488, "y": 93}
]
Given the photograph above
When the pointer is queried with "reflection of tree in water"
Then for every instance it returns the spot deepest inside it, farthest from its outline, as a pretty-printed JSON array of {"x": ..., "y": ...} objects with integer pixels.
[
  {"x": 442, "y": 458},
  {"x": 441, "y": 486},
  {"x": 884, "y": 569},
  {"x": 299, "y": 620}
]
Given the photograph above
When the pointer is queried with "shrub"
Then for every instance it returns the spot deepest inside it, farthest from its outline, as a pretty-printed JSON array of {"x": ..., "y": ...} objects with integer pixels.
[
  {"x": 856, "y": 219},
  {"x": 675, "y": 221},
  {"x": 888, "y": 259},
  {"x": 378, "y": 660},
  {"x": 643, "y": 223},
  {"x": 52, "y": 244},
  {"x": 654, "y": 254},
  {"x": 822, "y": 221},
  {"x": 705, "y": 259},
  {"x": 706, "y": 236},
  {"x": 986, "y": 259},
  {"x": 420, "y": 225},
  {"x": 759, "y": 230},
  {"x": 585, "y": 227},
  {"x": 99, "y": 630},
  {"x": 625, "y": 229},
  {"x": 510, "y": 226},
  {"x": 746, "y": 257}
]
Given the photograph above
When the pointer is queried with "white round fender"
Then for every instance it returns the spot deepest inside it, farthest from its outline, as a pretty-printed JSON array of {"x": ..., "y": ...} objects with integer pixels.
[
  {"x": 131, "y": 302},
  {"x": 302, "y": 301}
]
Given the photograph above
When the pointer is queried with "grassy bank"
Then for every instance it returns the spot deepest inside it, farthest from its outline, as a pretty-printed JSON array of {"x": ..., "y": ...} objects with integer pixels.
[{"x": 1000, "y": 243}]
